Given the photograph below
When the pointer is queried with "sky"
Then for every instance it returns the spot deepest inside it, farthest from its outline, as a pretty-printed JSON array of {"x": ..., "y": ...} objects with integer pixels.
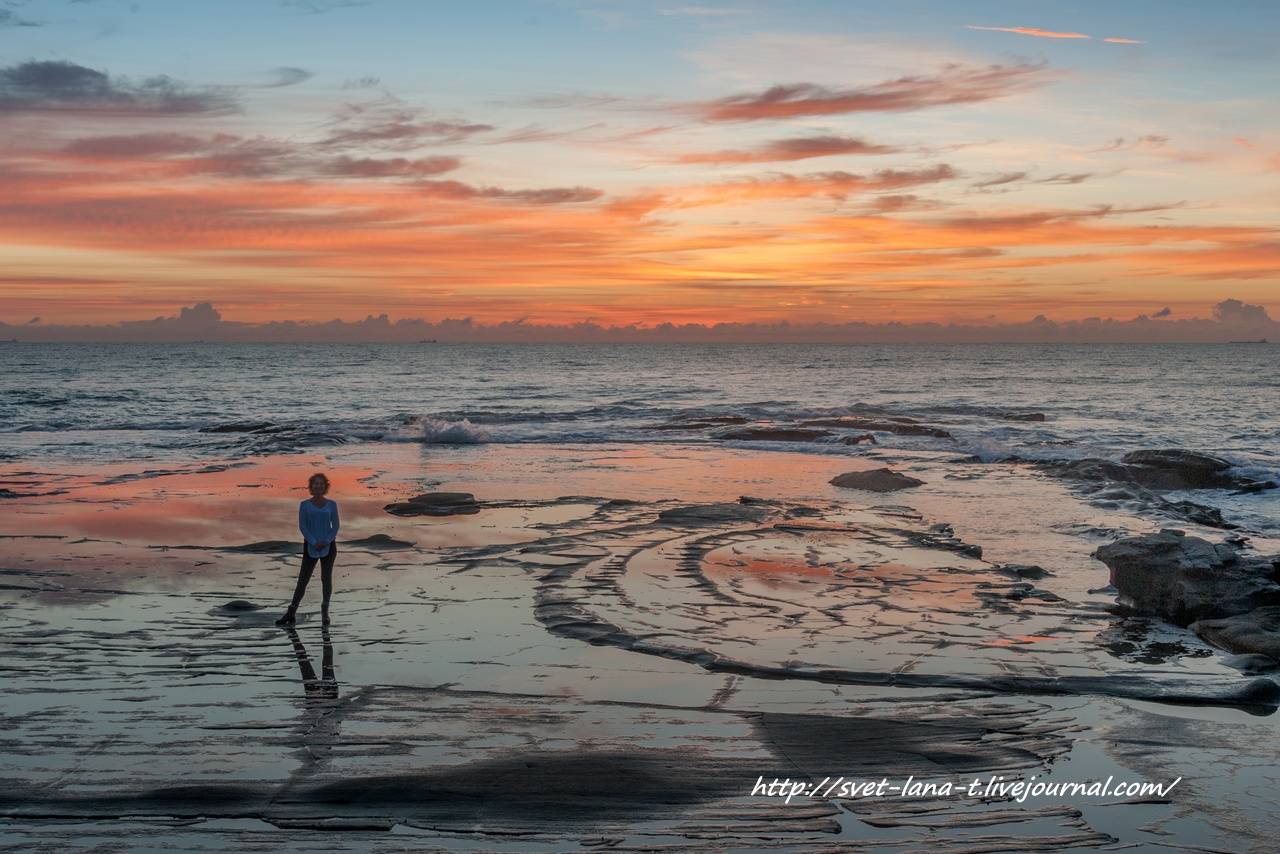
[{"x": 639, "y": 165}]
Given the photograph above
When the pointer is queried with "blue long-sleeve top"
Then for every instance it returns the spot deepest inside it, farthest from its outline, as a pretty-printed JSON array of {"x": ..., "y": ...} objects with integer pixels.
[{"x": 318, "y": 525}]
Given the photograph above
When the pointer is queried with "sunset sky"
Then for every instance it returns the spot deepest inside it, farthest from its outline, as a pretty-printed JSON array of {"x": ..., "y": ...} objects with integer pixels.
[{"x": 637, "y": 162}]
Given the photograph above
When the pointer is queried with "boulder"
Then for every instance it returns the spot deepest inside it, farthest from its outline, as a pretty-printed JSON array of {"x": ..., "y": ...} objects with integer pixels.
[
  {"x": 1185, "y": 579},
  {"x": 875, "y": 480},
  {"x": 1178, "y": 469}
]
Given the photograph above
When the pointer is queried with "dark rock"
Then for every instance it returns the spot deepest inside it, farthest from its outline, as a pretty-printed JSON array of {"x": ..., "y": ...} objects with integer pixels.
[
  {"x": 380, "y": 542},
  {"x": 436, "y": 504},
  {"x": 240, "y": 606},
  {"x": 1022, "y": 416},
  {"x": 875, "y": 480},
  {"x": 1184, "y": 579},
  {"x": 1090, "y": 469},
  {"x": 714, "y": 514},
  {"x": 898, "y": 426},
  {"x": 1178, "y": 469},
  {"x": 1210, "y": 517},
  {"x": 1159, "y": 470},
  {"x": 858, "y": 440},
  {"x": 438, "y": 499},
  {"x": 773, "y": 434},
  {"x": 269, "y": 547},
  {"x": 1026, "y": 571},
  {"x": 1257, "y": 632}
]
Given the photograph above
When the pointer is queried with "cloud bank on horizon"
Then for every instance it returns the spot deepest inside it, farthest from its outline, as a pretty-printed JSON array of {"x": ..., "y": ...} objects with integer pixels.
[
  {"x": 580, "y": 163},
  {"x": 1232, "y": 321}
]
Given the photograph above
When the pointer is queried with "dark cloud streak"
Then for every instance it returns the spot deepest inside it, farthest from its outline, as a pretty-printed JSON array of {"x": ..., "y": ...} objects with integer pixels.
[
  {"x": 1231, "y": 318},
  {"x": 954, "y": 85},
  {"x": 57, "y": 86},
  {"x": 798, "y": 148}
]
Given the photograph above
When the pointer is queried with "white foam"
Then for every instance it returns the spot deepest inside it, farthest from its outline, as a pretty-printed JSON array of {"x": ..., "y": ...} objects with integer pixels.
[{"x": 429, "y": 430}]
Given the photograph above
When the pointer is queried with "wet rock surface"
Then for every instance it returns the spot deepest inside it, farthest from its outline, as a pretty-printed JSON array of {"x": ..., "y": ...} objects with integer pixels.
[{"x": 582, "y": 674}]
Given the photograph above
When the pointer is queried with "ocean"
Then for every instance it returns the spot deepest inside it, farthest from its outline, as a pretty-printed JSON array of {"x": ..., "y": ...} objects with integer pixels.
[{"x": 96, "y": 403}]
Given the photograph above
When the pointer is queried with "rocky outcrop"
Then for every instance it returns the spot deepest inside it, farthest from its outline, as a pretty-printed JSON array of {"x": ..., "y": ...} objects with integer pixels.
[
  {"x": 1186, "y": 580},
  {"x": 875, "y": 480},
  {"x": 1160, "y": 470},
  {"x": 1178, "y": 469}
]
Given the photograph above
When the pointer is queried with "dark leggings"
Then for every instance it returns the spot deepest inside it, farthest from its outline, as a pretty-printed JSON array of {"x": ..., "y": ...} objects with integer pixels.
[{"x": 326, "y": 575}]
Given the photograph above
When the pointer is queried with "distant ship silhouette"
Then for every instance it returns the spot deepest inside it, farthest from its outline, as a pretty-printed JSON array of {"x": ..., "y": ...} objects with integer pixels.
[{"x": 1259, "y": 341}]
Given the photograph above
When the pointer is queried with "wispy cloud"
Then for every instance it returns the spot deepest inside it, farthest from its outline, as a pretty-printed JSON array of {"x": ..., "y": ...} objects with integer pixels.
[
  {"x": 10, "y": 18},
  {"x": 1148, "y": 142},
  {"x": 955, "y": 85},
  {"x": 838, "y": 185},
  {"x": 1050, "y": 34},
  {"x": 1000, "y": 180},
  {"x": 393, "y": 167},
  {"x": 390, "y": 125},
  {"x": 319, "y": 7},
  {"x": 1031, "y": 31},
  {"x": 799, "y": 148},
  {"x": 702, "y": 11},
  {"x": 57, "y": 86},
  {"x": 287, "y": 76}
]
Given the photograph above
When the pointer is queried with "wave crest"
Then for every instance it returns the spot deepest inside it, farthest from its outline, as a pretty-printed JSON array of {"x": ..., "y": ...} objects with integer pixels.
[{"x": 430, "y": 430}]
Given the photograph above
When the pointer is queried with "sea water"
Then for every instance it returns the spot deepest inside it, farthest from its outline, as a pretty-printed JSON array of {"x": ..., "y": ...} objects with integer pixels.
[{"x": 98, "y": 403}]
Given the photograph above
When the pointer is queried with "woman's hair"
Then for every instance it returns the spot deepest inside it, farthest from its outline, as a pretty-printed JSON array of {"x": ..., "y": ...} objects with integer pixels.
[{"x": 319, "y": 476}]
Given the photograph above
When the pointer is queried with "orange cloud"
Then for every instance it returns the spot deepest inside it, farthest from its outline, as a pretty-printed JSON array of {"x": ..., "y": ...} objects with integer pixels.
[
  {"x": 1029, "y": 31},
  {"x": 380, "y": 210},
  {"x": 1124, "y": 41}
]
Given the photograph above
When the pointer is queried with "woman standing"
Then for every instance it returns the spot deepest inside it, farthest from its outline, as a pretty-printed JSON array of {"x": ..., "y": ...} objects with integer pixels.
[{"x": 318, "y": 521}]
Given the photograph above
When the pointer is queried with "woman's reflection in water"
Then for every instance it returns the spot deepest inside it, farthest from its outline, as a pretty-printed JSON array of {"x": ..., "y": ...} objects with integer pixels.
[
  {"x": 324, "y": 690},
  {"x": 322, "y": 711}
]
